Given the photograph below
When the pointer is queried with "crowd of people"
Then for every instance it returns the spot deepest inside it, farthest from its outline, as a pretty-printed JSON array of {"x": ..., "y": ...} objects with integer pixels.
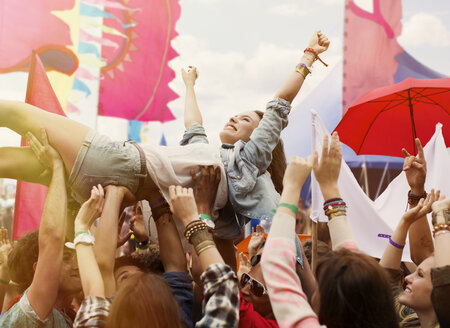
[{"x": 95, "y": 262}]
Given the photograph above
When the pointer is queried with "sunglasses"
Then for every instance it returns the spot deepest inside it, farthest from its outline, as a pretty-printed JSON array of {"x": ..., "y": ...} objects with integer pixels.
[{"x": 256, "y": 288}]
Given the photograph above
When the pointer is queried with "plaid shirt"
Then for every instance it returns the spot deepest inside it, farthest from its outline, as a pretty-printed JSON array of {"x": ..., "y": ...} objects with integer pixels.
[
  {"x": 92, "y": 313},
  {"x": 221, "y": 303}
]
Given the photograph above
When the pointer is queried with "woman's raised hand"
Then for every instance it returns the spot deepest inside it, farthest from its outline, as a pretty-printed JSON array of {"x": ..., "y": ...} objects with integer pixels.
[
  {"x": 297, "y": 172},
  {"x": 327, "y": 171},
  {"x": 189, "y": 75},
  {"x": 91, "y": 209},
  {"x": 319, "y": 42},
  {"x": 182, "y": 204}
]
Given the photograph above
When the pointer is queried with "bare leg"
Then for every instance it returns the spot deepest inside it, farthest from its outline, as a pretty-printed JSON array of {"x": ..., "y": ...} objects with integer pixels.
[
  {"x": 20, "y": 163},
  {"x": 64, "y": 134}
]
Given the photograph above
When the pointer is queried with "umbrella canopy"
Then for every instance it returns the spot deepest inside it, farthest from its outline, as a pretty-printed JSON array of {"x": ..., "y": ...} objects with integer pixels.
[{"x": 387, "y": 119}]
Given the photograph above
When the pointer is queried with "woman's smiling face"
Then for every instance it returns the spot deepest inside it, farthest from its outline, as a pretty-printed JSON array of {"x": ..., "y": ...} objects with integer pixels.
[
  {"x": 239, "y": 127},
  {"x": 417, "y": 294}
]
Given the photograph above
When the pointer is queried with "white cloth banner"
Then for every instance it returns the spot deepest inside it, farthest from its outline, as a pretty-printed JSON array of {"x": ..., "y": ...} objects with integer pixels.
[{"x": 367, "y": 218}]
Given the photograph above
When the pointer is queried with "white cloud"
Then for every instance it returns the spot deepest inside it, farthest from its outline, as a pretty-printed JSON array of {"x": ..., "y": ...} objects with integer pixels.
[
  {"x": 232, "y": 82},
  {"x": 424, "y": 30},
  {"x": 287, "y": 9},
  {"x": 332, "y": 2}
]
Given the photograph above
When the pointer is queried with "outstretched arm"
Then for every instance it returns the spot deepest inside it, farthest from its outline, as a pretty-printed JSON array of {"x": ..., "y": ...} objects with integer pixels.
[
  {"x": 392, "y": 255},
  {"x": 290, "y": 88},
  {"x": 91, "y": 278},
  {"x": 220, "y": 282},
  {"x": 106, "y": 235},
  {"x": 192, "y": 113},
  {"x": 327, "y": 174},
  {"x": 289, "y": 302},
  {"x": 420, "y": 240},
  {"x": 44, "y": 287}
]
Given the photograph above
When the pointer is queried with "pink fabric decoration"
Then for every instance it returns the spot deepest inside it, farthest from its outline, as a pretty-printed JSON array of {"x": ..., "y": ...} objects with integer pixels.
[
  {"x": 137, "y": 74},
  {"x": 30, "y": 25},
  {"x": 372, "y": 65}
]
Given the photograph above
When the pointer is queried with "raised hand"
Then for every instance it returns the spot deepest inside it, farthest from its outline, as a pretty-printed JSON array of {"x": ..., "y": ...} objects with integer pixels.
[
  {"x": 442, "y": 204},
  {"x": 45, "y": 153},
  {"x": 205, "y": 187},
  {"x": 182, "y": 204},
  {"x": 319, "y": 42},
  {"x": 122, "y": 239},
  {"x": 244, "y": 265},
  {"x": 423, "y": 207},
  {"x": 256, "y": 240},
  {"x": 297, "y": 171},
  {"x": 415, "y": 168},
  {"x": 90, "y": 210},
  {"x": 327, "y": 171},
  {"x": 137, "y": 224},
  {"x": 189, "y": 75},
  {"x": 5, "y": 248}
]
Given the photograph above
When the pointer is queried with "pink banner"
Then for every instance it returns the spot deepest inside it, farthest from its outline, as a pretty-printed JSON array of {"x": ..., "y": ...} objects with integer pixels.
[
  {"x": 136, "y": 77},
  {"x": 373, "y": 64},
  {"x": 30, "y": 25},
  {"x": 30, "y": 197}
]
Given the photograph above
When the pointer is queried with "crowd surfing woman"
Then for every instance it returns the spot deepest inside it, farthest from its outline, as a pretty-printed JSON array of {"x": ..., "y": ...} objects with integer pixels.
[
  {"x": 91, "y": 159},
  {"x": 353, "y": 290}
]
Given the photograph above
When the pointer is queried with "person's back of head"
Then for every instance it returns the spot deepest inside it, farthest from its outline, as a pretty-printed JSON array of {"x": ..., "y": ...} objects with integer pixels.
[
  {"x": 354, "y": 292},
  {"x": 322, "y": 249},
  {"x": 144, "y": 300},
  {"x": 22, "y": 258}
]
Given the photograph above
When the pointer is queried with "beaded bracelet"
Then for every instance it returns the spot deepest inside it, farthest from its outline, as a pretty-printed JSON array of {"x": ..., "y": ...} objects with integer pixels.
[
  {"x": 194, "y": 227},
  {"x": 4, "y": 282},
  {"x": 311, "y": 50},
  {"x": 440, "y": 227},
  {"x": 334, "y": 204}
]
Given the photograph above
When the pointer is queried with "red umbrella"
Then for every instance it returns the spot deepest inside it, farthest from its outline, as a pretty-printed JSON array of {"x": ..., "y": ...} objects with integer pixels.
[{"x": 387, "y": 119}]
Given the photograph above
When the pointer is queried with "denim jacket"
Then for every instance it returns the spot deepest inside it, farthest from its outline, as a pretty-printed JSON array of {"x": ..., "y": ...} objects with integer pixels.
[{"x": 250, "y": 188}]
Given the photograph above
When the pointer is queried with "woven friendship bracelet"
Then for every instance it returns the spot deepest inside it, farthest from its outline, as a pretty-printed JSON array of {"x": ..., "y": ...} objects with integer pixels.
[
  {"x": 414, "y": 199},
  {"x": 311, "y": 50}
]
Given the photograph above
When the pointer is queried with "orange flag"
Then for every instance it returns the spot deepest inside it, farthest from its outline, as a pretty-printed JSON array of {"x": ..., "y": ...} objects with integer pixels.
[{"x": 30, "y": 197}]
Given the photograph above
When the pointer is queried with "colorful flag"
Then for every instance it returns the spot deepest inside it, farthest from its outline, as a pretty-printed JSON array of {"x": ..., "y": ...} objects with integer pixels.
[
  {"x": 32, "y": 25},
  {"x": 30, "y": 197},
  {"x": 136, "y": 77}
]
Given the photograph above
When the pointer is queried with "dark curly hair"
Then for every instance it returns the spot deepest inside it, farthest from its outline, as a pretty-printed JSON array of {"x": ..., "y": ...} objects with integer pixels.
[{"x": 21, "y": 259}]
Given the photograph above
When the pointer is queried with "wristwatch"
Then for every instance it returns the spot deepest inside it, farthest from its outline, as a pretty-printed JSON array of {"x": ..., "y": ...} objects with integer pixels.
[{"x": 208, "y": 221}]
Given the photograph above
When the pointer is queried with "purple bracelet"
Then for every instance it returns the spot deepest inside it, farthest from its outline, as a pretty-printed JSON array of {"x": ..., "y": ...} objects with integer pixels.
[{"x": 393, "y": 243}]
